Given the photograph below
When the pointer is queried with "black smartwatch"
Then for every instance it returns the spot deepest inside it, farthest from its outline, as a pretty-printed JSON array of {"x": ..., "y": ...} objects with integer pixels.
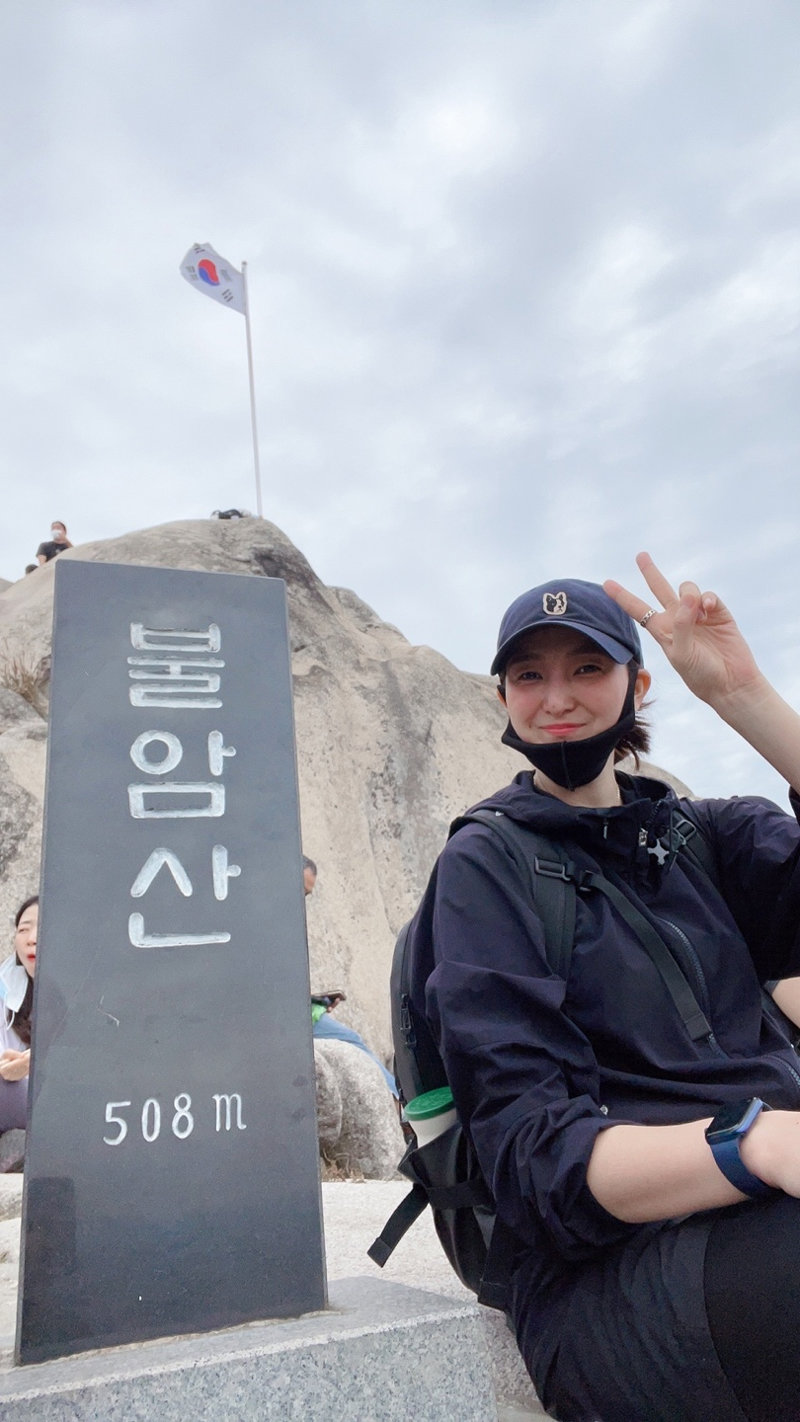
[{"x": 724, "y": 1134}]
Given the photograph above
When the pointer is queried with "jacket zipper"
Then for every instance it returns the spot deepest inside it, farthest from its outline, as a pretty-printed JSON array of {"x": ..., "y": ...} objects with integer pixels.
[
  {"x": 711, "y": 1039},
  {"x": 786, "y": 1067},
  {"x": 697, "y": 971}
]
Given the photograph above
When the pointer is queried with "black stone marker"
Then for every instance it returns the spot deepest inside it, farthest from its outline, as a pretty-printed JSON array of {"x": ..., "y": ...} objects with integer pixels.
[{"x": 171, "y": 1176}]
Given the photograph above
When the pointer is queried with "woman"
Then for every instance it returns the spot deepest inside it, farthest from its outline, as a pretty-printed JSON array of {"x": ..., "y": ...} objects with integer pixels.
[
  {"x": 16, "y": 984},
  {"x": 647, "y": 1284}
]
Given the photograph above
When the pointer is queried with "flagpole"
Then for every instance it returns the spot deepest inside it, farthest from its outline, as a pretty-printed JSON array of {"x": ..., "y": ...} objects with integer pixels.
[{"x": 252, "y": 391}]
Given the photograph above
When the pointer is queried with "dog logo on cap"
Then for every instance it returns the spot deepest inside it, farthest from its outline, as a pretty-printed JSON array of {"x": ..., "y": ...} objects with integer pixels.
[{"x": 555, "y": 604}]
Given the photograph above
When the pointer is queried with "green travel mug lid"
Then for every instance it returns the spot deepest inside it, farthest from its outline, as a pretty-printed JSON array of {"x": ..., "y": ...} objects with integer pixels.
[{"x": 431, "y": 1103}]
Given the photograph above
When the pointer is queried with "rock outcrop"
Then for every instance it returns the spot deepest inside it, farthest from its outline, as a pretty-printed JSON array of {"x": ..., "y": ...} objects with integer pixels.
[
  {"x": 359, "y": 1128},
  {"x": 23, "y": 753},
  {"x": 392, "y": 742}
]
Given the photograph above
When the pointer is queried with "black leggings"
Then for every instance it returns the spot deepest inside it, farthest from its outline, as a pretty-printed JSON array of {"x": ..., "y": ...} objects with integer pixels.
[
  {"x": 751, "y": 1283},
  {"x": 697, "y": 1320}
]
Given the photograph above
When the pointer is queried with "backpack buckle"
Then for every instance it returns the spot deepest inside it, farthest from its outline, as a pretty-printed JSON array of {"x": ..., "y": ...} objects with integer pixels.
[
  {"x": 682, "y": 831},
  {"x": 407, "y": 1021},
  {"x": 554, "y": 868}
]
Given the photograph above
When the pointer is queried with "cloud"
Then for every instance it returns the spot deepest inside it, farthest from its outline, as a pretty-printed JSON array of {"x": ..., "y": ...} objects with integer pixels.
[{"x": 524, "y": 290}]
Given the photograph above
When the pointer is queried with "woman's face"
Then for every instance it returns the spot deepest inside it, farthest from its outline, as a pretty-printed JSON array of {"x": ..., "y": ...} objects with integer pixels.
[
  {"x": 561, "y": 687},
  {"x": 25, "y": 939}
]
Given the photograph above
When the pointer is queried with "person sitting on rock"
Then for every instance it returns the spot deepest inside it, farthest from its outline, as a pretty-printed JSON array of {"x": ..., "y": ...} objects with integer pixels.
[
  {"x": 642, "y": 1149},
  {"x": 324, "y": 1025},
  {"x": 58, "y": 542},
  {"x": 323, "y": 1004},
  {"x": 16, "y": 986}
]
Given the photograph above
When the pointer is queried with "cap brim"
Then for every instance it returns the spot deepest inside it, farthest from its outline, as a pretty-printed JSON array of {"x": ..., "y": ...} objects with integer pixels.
[{"x": 610, "y": 645}]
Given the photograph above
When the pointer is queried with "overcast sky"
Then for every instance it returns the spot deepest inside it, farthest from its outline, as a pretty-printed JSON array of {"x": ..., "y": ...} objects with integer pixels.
[{"x": 524, "y": 281}]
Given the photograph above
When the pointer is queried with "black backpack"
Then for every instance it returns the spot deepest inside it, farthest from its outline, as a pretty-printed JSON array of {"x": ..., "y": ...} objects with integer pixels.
[{"x": 445, "y": 1173}]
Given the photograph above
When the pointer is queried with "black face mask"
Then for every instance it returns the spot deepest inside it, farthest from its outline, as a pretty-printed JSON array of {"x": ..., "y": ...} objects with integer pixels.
[{"x": 571, "y": 764}]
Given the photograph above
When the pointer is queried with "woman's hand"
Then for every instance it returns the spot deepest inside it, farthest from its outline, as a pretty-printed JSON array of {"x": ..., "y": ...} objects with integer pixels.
[
  {"x": 703, "y": 643},
  {"x": 14, "y": 1066},
  {"x": 696, "y": 633}
]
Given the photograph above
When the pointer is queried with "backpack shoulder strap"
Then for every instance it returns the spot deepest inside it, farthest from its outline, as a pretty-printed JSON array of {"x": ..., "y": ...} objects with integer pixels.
[
  {"x": 673, "y": 977},
  {"x": 566, "y": 879},
  {"x": 551, "y": 879},
  {"x": 701, "y": 852},
  {"x": 693, "y": 842}
]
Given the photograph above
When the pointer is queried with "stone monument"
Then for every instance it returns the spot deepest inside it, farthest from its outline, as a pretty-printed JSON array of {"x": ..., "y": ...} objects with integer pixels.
[{"x": 171, "y": 1178}]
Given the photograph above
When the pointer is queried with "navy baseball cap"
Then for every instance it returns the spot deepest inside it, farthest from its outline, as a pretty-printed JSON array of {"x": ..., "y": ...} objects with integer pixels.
[{"x": 570, "y": 602}]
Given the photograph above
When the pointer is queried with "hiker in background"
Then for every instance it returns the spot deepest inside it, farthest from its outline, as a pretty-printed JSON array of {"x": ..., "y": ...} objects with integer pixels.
[
  {"x": 323, "y": 1004},
  {"x": 639, "y": 1123},
  {"x": 58, "y": 542},
  {"x": 16, "y": 998},
  {"x": 309, "y": 875},
  {"x": 324, "y": 1025}
]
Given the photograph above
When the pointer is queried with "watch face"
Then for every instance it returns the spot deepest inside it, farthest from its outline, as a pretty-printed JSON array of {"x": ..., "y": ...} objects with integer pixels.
[{"x": 733, "y": 1119}]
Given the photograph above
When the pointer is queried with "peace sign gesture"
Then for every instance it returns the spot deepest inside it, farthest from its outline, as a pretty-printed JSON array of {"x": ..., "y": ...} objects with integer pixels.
[{"x": 697, "y": 634}]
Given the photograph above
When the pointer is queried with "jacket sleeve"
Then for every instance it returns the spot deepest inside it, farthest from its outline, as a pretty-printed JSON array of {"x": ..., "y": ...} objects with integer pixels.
[
  {"x": 757, "y": 851},
  {"x": 524, "y": 1077}
]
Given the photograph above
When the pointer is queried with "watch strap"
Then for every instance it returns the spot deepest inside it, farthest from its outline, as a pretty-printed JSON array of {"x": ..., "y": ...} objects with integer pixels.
[{"x": 729, "y": 1161}]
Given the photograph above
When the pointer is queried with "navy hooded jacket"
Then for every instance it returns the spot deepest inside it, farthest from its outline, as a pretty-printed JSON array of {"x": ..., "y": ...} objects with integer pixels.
[{"x": 539, "y": 1066}]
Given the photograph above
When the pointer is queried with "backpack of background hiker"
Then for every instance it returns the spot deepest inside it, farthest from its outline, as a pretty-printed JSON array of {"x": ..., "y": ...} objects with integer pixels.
[{"x": 445, "y": 1173}]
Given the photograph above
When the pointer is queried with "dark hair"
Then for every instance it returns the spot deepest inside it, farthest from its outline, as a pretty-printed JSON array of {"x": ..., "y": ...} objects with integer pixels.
[
  {"x": 60, "y": 522},
  {"x": 34, "y": 899},
  {"x": 637, "y": 741},
  {"x": 309, "y": 864},
  {"x": 21, "y": 1019}
]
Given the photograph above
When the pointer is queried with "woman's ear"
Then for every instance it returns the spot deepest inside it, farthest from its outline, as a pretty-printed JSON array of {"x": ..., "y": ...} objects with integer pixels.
[
  {"x": 501, "y": 692},
  {"x": 641, "y": 686}
]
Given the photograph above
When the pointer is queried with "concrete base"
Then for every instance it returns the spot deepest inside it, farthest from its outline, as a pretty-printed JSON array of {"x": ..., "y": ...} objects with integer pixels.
[
  {"x": 382, "y": 1352},
  {"x": 354, "y": 1214}
]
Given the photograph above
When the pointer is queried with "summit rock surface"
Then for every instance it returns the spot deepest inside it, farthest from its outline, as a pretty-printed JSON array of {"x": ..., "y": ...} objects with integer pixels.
[{"x": 392, "y": 742}]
